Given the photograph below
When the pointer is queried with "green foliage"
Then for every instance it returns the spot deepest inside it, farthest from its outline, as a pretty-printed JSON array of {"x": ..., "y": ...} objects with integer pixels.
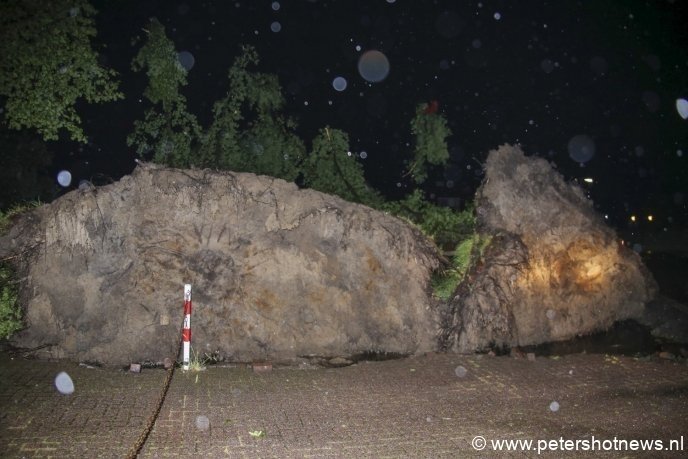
[
  {"x": 6, "y": 217},
  {"x": 331, "y": 168},
  {"x": 10, "y": 312},
  {"x": 48, "y": 65},
  {"x": 467, "y": 254},
  {"x": 248, "y": 133},
  {"x": 431, "y": 133},
  {"x": 168, "y": 131},
  {"x": 445, "y": 226}
]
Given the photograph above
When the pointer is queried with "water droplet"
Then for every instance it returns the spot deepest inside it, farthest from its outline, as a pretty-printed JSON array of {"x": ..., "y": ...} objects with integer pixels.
[
  {"x": 339, "y": 84},
  {"x": 373, "y": 66},
  {"x": 554, "y": 406},
  {"x": 64, "y": 178},
  {"x": 64, "y": 384},
  {"x": 186, "y": 59},
  {"x": 547, "y": 66},
  {"x": 460, "y": 371},
  {"x": 202, "y": 423},
  {"x": 581, "y": 148},
  {"x": 682, "y": 108},
  {"x": 275, "y": 26}
]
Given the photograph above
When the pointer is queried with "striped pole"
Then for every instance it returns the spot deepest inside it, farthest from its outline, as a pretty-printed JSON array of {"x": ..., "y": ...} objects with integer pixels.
[{"x": 186, "y": 329}]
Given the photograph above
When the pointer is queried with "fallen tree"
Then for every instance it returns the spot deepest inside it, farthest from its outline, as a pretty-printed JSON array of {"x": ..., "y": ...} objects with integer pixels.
[
  {"x": 553, "y": 268},
  {"x": 282, "y": 273}
]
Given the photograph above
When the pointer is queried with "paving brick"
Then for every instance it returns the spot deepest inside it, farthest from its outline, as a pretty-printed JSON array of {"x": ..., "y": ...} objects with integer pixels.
[{"x": 415, "y": 407}]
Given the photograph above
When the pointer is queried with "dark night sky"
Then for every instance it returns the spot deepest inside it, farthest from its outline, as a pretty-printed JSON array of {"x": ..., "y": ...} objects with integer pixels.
[{"x": 537, "y": 73}]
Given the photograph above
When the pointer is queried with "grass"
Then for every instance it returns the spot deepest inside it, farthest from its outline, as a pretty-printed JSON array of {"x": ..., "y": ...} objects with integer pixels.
[
  {"x": 6, "y": 216},
  {"x": 196, "y": 363},
  {"x": 469, "y": 252}
]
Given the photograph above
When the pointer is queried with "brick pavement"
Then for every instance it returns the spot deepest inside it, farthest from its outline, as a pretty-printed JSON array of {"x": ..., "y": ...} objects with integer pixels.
[{"x": 415, "y": 407}]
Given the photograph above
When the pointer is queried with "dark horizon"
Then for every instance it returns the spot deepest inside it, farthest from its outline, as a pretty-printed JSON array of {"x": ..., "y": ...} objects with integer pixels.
[{"x": 536, "y": 74}]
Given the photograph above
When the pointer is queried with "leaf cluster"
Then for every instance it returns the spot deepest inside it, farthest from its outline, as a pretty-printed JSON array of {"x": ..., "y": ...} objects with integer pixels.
[
  {"x": 10, "y": 312},
  {"x": 467, "y": 254},
  {"x": 431, "y": 133},
  {"x": 48, "y": 64},
  {"x": 445, "y": 226}
]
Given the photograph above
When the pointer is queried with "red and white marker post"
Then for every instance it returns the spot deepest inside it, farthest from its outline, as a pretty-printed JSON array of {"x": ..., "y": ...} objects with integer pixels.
[{"x": 186, "y": 329}]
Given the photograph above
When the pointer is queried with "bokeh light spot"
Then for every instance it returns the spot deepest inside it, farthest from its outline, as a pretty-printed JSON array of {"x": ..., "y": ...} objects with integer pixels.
[
  {"x": 275, "y": 26},
  {"x": 64, "y": 178},
  {"x": 547, "y": 66},
  {"x": 581, "y": 148},
  {"x": 64, "y": 384},
  {"x": 460, "y": 371},
  {"x": 682, "y": 108},
  {"x": 373, "y": 66},
  {"x": 339, "y": 84},
  {"x": 186, "y": 59}
]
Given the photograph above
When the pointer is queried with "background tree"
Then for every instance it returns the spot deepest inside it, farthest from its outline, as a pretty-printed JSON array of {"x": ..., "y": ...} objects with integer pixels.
[
  {"x": 168, "y": 131},
  {"x": 248, "y": 132},
  {"x": 331, "y": 168},
  {"x": 431, "y": 131},
  {"x": 48, "y": 64}
]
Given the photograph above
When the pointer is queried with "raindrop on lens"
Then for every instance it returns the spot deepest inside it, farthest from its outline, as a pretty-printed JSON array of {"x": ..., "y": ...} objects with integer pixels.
[
  {"x": 275, "y": 26},
  {"x": 682, "y": 108},
  {"x": 547, "y": 66},
  {"x": 186, "y": 59},
  {"x": 64, "y": 178},
  {"x": 373, "y": 66},
  {"x": 581, "y": 148},
  {"x": 460, "y": 371},
  {"x": 202, "y": 423},
  {"x": 554, "y": 406},
  {"x": 64, "y": 384},
  {"x": 339, "y": 84}
]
